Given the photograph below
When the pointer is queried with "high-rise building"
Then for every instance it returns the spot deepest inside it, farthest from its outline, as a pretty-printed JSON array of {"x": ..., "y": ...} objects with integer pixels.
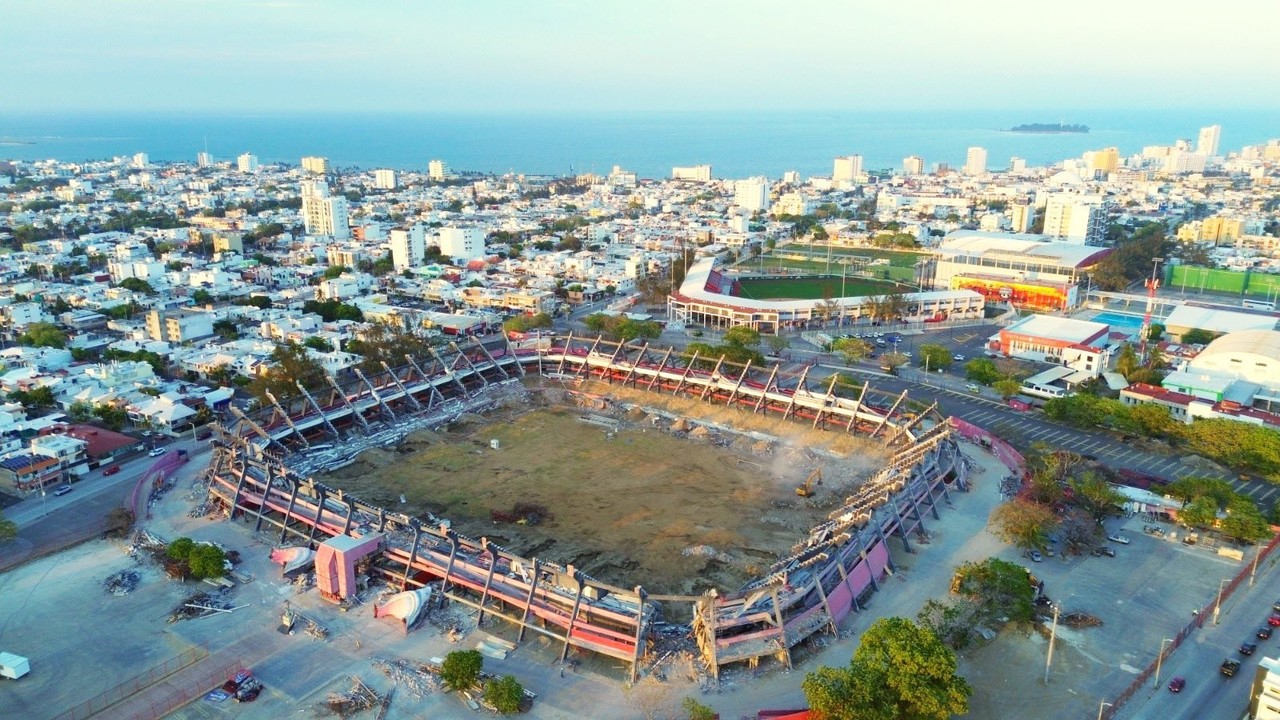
[
  {"x": 140, "y": 160},
  {"x": 1021, "y": 216},
  {"x": 847, "y": 169},
  {"x": 1208, "y": 141},
  {"x": 700, "y": 173},
  {"x": 323, "y": 214},
  {"x": 1076, "y": 219},
  {"x": 317, "y": 165},
  {"x": 791, "y": 177},
  {"x": 752, "y": 194},
  {"x": 1103, "y": 161},
  {"x": 1264, "y": 697},
  {"x": 913, "y": 165},
  {"x": 384, "y": 179},
  {"x": 975, "y": 162},
  {"x": 462, "y": 243},
  {"x": 436, "y": 170},
  {"x": 247, "y": 163},
  {"x": 204, "y": 160},
  {"x": 408, "y": 247},
  {"x": 1017, "y": 164}
]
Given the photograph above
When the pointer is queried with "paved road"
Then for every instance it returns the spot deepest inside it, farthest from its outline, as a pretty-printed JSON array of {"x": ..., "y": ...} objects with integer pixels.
[
  {"x": 49, "y": 523},
  {"x": 1208, "y": 694}
]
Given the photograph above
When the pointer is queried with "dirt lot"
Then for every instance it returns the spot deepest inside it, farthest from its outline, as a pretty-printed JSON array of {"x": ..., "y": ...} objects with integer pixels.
[{"x": 631, "y": 503}]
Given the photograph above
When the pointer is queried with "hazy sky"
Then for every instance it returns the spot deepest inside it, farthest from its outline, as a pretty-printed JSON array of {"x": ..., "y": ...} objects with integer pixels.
[{"x": 530, "y": 55}]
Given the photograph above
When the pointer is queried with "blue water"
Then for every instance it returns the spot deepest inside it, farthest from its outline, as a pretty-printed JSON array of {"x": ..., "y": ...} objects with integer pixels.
[
  {"x": 1121, "y": 321},
  {"x": 735, "y": 144}
]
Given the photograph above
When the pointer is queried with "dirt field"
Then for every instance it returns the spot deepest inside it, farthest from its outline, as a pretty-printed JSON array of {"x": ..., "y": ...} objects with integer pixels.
[{"x": 675, "y": 512}]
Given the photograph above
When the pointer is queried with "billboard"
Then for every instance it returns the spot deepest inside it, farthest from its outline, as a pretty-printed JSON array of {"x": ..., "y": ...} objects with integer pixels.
[{"x": 1020, "y": 294}]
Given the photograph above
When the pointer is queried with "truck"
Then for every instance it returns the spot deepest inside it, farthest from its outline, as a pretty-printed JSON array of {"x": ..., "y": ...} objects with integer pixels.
[{"x": 13, "y": 666}]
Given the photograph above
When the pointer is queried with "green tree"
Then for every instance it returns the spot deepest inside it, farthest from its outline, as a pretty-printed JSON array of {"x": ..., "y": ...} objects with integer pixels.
[
  {"x": 1007, "y": 387},
  {"x": 334, "y": 271},
  {"x": 1148, "y": 419},
  {"x": 1199, "y": 513},
  {"x": 8, "y": 530},
  {"x": 111, "y": 417},
  {"x": 290, "y": 365},
  {"x": 696, "y": 710},
  {"x": 934, "y": 356},
  {"x": 180, "y": 548},
  {"x": 742, "y": 336},
  {"x": 777, "y": 343},
  {"x": 982, "y": 370},
  {"x": 504, "y": 694},
  {"x": 386, "y": 343},
  {"x": 333, "y": 310},
  {"x": 40, "y": 397},
  {"x": 999, "y": 588},
  {"x": 1127, "y": 362},
  {"x": 852, "y": 349},
  {"x": 525, "y": 323},
  {"x": 206, "y": 561},
  {"x": 461, "y": 669},
  {"x": 43, "y": 334},
  {"x": 901, "y": 671},
  {"x": 318, "y": 344},
  {"x": 1096, "y": 496},
  {"x": 137, "y": 285},
  {"x": 226, "y": 329},
  {"x": 1244, "y": 521},
  {"x": 1196, "y": 336},
  {"x": 891, "y": 361},
  {"x": 1024, "y": 523},
  {"x": 1155, "y": 333},
  {"x": 80, "y": 411}
]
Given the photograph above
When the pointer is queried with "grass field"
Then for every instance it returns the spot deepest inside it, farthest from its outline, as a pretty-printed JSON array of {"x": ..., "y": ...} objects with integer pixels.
[{"x": 817, "y": 288}]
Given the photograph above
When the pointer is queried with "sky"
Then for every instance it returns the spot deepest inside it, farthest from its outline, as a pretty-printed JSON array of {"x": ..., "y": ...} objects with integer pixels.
[{"x": 633, "y": 55}]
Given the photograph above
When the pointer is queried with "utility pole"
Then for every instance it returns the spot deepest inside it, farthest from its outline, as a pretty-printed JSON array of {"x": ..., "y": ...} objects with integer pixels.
[
  {"x": 1254, "y": 572},
  {"x": 1152, "y": 284},
  {"x": 1159, "y": 661},
  {"x": 1217, "y": 606},
  {"x": 1053, "y": 635}
]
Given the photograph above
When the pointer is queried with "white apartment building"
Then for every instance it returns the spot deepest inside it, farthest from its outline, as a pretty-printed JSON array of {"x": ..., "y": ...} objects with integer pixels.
[
  {"x": 461, "y": 243},
  {"x": 204, "y": 160},
  {"x": 408, "y": 247},
  {"x": 1076, "y": 219},
  {"x": 752, "y": 194},
  {"x": 322, "y": 214},
  {"x": 700, "y": 173},
  {"x": 140, "y": 160},
  {"x": 1207, "y": 144},
  {"x": 316, "y": 165},
  {"x": 384, "y": 179},
  {"x": 247, "y": 163},
  {"x": 1264, "y": 703},
  {"x": 975, "y": 162},
  {"x": 792, "y": 203},
  {"x": 1017, "y": 164},
  {"x": 436, "y": 170},
  {"x": 847, "y": 169},
  {"x": 913, "y": 165},
  {"x": 1021, "y": 217}
]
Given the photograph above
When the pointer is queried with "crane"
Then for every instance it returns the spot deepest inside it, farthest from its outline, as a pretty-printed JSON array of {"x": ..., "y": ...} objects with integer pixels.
[
  {"x": 1151, "y": 284},
  {"x": 814, "y": 479}
]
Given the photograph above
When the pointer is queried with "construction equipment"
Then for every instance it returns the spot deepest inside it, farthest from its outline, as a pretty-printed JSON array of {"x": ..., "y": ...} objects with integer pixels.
[{"x": 814, "y": 480}]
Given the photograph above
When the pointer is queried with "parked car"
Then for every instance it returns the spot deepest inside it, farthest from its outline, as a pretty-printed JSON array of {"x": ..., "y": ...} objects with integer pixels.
[
  {"x": 1118, "y": 539},
  {"x": 1264, "y": 632},
  {"x": 958, "y": 357},
  {"x": 204, "y": 435},
  {"x": 1035, "y": 555},
  {"x": 234, "y": 682},
  {"x": 1274, "y": 620},
  {"x": 111, "y": 470},
  {"x": 973, "y": 388},
  {"x": 1276, "y": 606},
  {"x": 156, "y": 452},
  {"x": 1104, "y": 550},
  {"x": 1248, "y": 648},
  {"x": 1176, "y": 684},
  {"x": 62, "y": 490},
  {"x": 1229, "y": 667}
]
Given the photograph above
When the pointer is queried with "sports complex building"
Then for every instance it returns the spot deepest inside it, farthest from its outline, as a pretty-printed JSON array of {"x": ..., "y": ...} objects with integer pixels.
[
  {"x": 1022, "y": 270},
  {"x": 711, "y": 298}
]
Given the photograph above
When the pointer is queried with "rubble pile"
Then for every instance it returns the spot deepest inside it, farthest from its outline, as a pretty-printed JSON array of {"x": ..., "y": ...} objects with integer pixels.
[
  {"x": 705, "y": 551},
  {"x": 417, "y": 679},
  {"x": 201, "y": 604},
  {"x": 121, "y": 583},
  {"x": 146, "y": 546},
  {"x": 352, "y": 702}
]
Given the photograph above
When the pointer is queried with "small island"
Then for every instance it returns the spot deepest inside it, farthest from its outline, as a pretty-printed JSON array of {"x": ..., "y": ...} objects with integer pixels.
[{"x": 1049, "y": 128}]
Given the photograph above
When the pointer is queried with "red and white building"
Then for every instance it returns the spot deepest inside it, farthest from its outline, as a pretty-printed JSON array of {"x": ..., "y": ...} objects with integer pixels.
[{"x": 1081, "y": 345}]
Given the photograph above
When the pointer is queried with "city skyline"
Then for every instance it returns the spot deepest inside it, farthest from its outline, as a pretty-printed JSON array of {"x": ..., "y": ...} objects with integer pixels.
[{"x": 142, "y": 55}]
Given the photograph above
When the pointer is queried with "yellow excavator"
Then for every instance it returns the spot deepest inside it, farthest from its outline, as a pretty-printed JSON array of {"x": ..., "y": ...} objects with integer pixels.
[{"x": 814, "y": 480}]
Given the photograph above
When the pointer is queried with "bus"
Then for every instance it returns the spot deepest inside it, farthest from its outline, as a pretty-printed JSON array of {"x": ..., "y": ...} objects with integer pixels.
[
  {"x": 1258, "y": 304},
  {"x": 1043, "y": 390}
]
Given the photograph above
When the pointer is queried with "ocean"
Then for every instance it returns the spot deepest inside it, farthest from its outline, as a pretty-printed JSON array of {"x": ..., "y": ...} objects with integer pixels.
[{"x": 735, "y": 144}]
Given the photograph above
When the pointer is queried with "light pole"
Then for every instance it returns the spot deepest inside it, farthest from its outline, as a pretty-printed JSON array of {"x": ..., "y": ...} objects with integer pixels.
[
  {"x": 1159, "y": 661},
  {"x": 1217, "y": 606},
  {"x": 1253, "y": 573},
  {"x": 1102, "y": 705},
  {"x": 1053, "y": 635}
]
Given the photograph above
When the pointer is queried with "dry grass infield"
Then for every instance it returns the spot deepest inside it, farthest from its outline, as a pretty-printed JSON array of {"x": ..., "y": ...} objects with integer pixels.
[{"x": 676, "y": 512}]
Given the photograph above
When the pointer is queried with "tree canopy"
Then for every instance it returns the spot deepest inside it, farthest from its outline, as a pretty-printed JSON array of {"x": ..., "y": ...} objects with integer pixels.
[
  {"x": 43, "y": 334},
  {"x": 852, "y": 349},
  {"x": 901, "y": 671},
  {"x": 934, "y": 356},
  {"x": 290, "y": 365}
]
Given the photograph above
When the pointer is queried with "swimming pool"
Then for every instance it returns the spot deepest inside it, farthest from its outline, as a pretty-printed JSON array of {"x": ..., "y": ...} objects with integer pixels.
[{"x": 1121, "y": 321}]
